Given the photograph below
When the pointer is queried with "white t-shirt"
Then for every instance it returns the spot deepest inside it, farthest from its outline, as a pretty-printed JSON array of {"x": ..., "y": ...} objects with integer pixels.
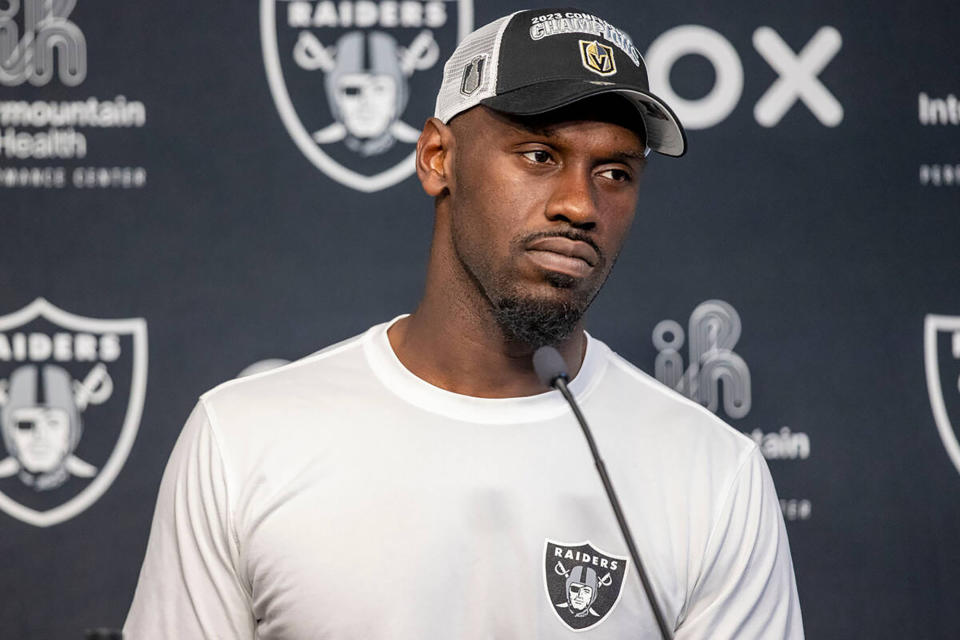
[{"x": 342, "y": 497}]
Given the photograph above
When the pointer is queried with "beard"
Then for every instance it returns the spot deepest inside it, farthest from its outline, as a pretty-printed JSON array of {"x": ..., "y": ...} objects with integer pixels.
[{"x": 536, "y": 322}]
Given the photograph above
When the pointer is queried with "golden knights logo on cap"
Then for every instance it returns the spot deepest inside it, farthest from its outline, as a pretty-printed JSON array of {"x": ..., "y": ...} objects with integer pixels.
[
  {"x": 583, "y": 583},
  {"x": 597, "y": 57}
]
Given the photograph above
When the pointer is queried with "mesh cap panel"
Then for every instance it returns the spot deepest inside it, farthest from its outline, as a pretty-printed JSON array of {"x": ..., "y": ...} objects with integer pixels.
[{"x": 483, "y": 47}]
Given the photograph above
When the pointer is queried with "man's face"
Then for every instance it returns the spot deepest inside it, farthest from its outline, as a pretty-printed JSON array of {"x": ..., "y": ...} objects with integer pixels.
[
  {"x": 540, "y": 206},
  {"x": 368, "y": 103},
  {"x": 580, "y": 595},
  {"x": 41, "y": 436}
]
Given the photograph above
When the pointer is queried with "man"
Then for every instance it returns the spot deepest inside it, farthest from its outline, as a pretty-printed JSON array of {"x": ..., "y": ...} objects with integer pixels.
[{"x": 418, "y": 481}]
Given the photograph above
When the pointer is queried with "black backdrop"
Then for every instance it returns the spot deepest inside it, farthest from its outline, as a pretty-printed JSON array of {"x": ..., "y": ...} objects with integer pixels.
[{"x": 832, "y": 241}]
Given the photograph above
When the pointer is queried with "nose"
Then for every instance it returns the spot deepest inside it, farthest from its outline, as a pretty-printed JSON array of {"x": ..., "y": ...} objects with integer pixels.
[{"x": 573, "y": 199}]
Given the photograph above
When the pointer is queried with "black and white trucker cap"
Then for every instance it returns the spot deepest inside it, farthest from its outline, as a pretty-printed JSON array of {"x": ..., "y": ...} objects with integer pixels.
[{"x": 534, "y": 61}]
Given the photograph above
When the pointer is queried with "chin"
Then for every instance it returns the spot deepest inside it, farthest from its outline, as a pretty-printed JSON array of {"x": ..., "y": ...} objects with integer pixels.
[
  {"x": 561, "y": 280},
  {"x": 540, "y": 315}
]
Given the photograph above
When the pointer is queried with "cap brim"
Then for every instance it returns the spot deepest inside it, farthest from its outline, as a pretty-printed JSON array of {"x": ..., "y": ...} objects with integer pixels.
[{"x": 665, "y": 134}]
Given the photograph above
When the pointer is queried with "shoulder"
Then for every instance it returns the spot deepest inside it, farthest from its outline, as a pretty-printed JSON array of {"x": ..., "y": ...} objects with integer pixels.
[
  {"x": 289, "y": 399},
  {"x": 668, "y": 416},
  {"x": 319, "y": 367},
  {"x": 703, "y": 464}
]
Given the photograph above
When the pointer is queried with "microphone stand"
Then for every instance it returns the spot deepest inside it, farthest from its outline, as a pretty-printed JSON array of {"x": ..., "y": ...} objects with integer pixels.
[{"x": 560, "y": 383}]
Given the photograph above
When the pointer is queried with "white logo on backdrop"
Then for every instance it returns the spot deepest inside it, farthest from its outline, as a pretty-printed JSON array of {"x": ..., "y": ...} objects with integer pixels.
[
  {"x": 56, "y": 369},
  {"x": 798, "y": 75},
  {"x": 714, "y": 330},
  {"x": 363, "y": 54},
  {"x": 46, "y": 28},
  {"x": 937, "y": 371},
  {"x": 50, "y": 127}
]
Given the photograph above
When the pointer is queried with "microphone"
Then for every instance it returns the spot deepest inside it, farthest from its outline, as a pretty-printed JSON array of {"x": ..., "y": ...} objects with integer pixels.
[{"x": 552, "y": 371}]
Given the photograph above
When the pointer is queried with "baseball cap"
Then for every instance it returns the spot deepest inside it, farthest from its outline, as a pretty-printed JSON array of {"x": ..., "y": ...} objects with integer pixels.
[{"x": 534, "y": 61}]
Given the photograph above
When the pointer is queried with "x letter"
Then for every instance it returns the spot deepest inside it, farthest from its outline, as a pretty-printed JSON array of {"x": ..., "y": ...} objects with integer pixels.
[{"x": 798, "y": 76}]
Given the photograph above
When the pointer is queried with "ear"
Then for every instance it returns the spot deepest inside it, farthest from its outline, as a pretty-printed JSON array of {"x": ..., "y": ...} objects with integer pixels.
[{"x": 434, "y": 157}]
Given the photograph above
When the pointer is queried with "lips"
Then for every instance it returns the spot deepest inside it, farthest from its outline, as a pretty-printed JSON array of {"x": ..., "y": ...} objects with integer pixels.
[
  {"x": 565, "y": 247},
  {"x": 557, "y": 253}
]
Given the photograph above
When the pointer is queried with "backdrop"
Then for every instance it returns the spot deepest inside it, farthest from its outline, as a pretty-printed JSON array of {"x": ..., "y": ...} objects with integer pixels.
[{"x": 188, "y": 189}]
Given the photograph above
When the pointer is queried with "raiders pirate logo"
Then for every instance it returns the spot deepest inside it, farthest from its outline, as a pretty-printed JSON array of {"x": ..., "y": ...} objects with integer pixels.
[
  {"x": 583, "y": 583},
  {"x": 354, "y": 80},
  {"x": 71, "y": 396}
]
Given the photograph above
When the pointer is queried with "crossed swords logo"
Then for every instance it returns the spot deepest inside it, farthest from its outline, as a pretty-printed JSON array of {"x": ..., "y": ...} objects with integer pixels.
[
  {"x": 310, "y": 54},
  {"x": 605, "y": 581},
  {"x": 95, "y": 388}
]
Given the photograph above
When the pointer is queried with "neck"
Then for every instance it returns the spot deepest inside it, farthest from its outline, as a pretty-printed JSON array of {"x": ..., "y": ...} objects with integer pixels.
[{"x": 453, "y": 341}]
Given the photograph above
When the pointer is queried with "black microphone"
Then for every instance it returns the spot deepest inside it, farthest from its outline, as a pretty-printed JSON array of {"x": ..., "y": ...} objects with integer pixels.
[{"x": 552, "y": 371}]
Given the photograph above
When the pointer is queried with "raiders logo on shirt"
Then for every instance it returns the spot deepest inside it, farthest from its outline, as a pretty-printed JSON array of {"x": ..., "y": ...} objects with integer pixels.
[{"x": 583, "y": 583}]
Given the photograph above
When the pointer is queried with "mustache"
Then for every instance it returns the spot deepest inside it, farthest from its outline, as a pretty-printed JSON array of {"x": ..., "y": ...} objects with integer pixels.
[{"x": 569, "y": 234}]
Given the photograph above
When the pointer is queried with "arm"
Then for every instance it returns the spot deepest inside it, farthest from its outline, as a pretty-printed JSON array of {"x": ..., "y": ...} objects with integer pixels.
[
  {"x": 746, "y": 588},
  {"x": 189, "y": 584}
]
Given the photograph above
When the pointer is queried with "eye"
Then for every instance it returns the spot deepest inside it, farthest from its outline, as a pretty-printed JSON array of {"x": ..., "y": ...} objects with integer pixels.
[
  {"x": 617, "y": 175},
  {"x": 538, "y": 156}
]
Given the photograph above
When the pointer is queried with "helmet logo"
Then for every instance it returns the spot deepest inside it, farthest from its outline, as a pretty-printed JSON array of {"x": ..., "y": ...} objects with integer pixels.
[
  {"x": 366, "y": 102},
  {"x": 597, "y": 57},
  {"x": 41, "y": 423}
]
